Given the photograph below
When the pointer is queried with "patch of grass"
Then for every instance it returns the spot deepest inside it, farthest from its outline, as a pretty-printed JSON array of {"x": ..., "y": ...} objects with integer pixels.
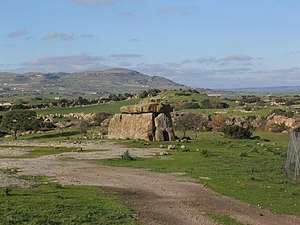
[
  {"x": 64, "y": 135},
  {"x": 41, "y": 151},
  {"x": 9, "y": 170},
  {"x": 222, "y": 219},
  {"x": 7, "y": 190},
  {"x": 126, "y": 156},
  {"x": 48, "y": 204},
  {"x": 258, "y": 179}
]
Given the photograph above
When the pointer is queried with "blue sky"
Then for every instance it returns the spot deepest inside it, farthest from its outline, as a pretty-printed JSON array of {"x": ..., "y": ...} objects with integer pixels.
[{"x": 201, "y": 43}]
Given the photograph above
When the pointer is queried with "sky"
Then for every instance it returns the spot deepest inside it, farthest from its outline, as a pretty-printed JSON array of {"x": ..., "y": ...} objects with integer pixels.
[{"x": 200, "y": 43}]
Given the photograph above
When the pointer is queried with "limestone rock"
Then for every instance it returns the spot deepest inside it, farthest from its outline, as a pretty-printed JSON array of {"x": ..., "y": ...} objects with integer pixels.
[
  {"x": 146, "y": 108},
  {"x": 164, "y": 129},
  {"x": 132, "y": 126}
]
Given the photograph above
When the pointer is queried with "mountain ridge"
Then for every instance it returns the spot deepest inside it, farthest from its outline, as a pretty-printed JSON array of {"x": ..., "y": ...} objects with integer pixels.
[{"x": 114, "y": 80}]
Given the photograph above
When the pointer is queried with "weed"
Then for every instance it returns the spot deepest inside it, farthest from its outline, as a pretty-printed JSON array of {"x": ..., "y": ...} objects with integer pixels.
[
  {"x": 243, "y": 154},
  {"x": 205, "y": 153},
  {"x": 7, "y": 190},
  {"x": 126, "y": 156},
  {"x": 59, "y": 186}
]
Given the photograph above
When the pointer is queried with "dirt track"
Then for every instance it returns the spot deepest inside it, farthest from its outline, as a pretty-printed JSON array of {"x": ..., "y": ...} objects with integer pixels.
[{"x": 157, "y": 198}]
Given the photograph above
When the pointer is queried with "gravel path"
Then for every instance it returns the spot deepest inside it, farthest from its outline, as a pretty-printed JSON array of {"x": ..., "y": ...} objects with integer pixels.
[{"x": 156, "y": 198}]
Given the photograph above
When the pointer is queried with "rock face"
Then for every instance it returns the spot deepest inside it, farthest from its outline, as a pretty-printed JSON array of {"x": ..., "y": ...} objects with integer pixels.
[{"x": 151, "y": 122}]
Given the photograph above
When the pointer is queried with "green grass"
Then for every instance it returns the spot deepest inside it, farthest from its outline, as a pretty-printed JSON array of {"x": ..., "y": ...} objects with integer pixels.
[
  {"x": 111, "y": 107},
  {"x": 256, "y": 177},
  {"x": 41, "y": 151},
  {"x": 57, "y": 135},
  {"x": 54, "y": 204},
  {"x": 222, "y": 219}
]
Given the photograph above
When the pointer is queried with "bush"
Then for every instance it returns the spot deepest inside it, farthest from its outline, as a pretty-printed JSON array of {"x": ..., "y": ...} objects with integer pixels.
[
  {"x": 185, "y": 105},
  {"x": 7, "y": 190},
  {"x": 126, "y": 156},
  {"x": 237, "y": 132},
  {"x": 143, "y": 94}
]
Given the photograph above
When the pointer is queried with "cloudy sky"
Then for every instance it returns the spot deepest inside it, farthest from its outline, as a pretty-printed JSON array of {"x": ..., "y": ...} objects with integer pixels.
[{"x": 201, "y": 43}]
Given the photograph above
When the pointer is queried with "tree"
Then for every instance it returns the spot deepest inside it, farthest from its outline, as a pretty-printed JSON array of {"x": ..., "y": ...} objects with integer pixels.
[
  {"x": 83, "y": 127},
  {"x": 113, "y": 97},
  {"x": 190, "y": 122},
  {"x": 20, "y": 120}
]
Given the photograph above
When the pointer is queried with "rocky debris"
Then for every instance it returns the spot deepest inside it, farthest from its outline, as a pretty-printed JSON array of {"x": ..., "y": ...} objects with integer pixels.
[
  {"x": 150, "y": 122},
  {"x": 283, "y": 120},
  {"x": 171, "y": 147},
  {"x": 164, "y": 153}
]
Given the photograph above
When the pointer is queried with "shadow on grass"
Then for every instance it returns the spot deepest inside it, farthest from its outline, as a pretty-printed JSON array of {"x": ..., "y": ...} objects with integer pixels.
[{"x": 57, "y": 135}]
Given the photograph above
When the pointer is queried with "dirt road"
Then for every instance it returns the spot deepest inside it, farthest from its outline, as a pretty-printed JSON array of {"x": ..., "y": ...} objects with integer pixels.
[{"x": 156, "y": 198}]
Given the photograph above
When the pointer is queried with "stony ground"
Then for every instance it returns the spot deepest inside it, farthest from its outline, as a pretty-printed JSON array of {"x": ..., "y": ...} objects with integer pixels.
[{"x": 156, "y": 198}]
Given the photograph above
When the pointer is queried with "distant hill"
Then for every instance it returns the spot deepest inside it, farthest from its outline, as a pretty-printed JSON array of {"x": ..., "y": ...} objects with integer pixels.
[
  {"x": 117, "y": 80},
  {"x": 280, "y": 89}
]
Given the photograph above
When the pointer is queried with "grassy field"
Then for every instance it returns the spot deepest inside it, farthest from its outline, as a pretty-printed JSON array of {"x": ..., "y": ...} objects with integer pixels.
[
  {"x": 54, "y": 204},
  {"x": 249, "y": 170},
  {"x": 54, "y": 135},
  {"x": 112, "y": 107}
]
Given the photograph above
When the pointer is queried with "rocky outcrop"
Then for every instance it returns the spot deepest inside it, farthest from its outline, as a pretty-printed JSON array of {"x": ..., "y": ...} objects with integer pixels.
[
  {"x": 151, "y": 122},
  {"x": 283, "y": 120}
]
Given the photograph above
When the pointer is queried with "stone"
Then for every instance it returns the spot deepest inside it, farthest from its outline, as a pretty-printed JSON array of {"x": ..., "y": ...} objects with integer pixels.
[
  {"x": 132, "y": 126},
  {"x": 150, "y": 122},
  {"x": 164, "y": 128},
  {"x": 146, "y": 108},
  {"x": 171, "y": 147}
]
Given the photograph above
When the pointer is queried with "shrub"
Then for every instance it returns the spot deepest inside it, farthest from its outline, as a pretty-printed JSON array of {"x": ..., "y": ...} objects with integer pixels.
[
  {"x": 126, "y": 156},
  {"x": 205, "y": 153},
  {"x": 7, "y": 190},
  {"x": 237, "y": 132},
  {"x": 243, "y": 154}
]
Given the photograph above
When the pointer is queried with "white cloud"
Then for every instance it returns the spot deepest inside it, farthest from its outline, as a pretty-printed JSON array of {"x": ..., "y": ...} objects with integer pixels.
[
  {"x": 236, "y": 58},
  {"x": 71, "y": 63},
  {"x": 126, "y": 55},
  {"x": 18, "y": 33},
  {"x": 58, "y": 35}
]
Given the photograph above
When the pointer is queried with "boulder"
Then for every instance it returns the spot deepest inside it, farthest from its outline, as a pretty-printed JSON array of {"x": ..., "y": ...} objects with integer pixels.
[
  {"x": 148, "y": 122},
  {"x": 132, "y": 126},
  {"x": 164, "y": 128}
]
